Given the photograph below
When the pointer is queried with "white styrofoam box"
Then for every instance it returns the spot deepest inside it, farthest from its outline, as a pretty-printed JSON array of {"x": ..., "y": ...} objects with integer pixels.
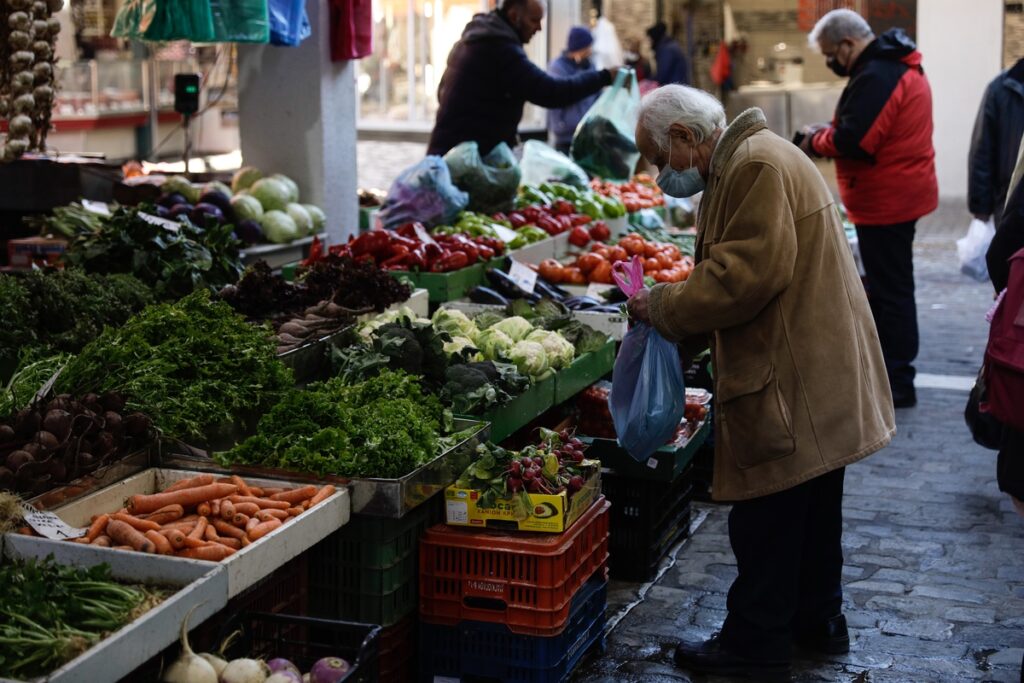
[
  {"x": 534, "y": 253},
  {"x": 202, "y": 585},
  {"x": 611, "y": 324},
  {"x": 619, "y": 227},
  {"x": 246, "y": 567},
  {"x": 418, "y": 301}
]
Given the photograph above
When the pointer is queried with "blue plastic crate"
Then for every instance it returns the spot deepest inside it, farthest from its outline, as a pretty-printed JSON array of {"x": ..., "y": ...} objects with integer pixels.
[{"x": 482, "y": 652}]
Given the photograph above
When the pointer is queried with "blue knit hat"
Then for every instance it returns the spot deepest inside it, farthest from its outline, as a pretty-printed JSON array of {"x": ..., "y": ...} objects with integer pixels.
[{"x": 579, "y": 38}]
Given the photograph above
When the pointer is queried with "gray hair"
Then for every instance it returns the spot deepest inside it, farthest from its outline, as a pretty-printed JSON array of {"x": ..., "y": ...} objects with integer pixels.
[
  {"x": 693, "y": 108},
  {"x": 837, "y": 25}
]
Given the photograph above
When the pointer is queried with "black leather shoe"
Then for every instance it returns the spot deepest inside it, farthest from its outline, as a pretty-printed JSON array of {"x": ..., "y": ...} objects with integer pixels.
[
  {"x": 829, "y": 638},
  {"x": 714, "y": 658},
  {"x": 905, "y": 400}
]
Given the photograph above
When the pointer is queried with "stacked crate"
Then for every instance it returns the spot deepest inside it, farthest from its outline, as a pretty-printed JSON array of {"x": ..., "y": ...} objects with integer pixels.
[{"x": 512, "y": 606}]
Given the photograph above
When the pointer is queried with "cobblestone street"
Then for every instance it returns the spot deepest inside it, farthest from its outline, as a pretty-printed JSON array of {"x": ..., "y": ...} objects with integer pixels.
[{"x": 934, "y": 583}]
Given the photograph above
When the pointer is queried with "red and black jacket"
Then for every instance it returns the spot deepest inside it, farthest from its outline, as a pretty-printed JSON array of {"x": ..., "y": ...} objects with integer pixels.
[{"x": 881, "y": 136}]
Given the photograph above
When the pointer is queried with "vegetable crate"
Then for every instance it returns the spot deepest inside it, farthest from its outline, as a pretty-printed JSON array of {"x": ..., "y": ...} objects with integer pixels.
[
  {"x": 584, "y": 371},
  {"x": 648, "y": 518},
  {"x": 304, "y": 640},
  {"x": 524, "y": 581},
  {"x": 490, "y": 652},
  {"x": 521, "y": 410},
  {"x": 667, "y": 464},
  {"x": 445, "y": 286},
  {"x": 367, "y": 570},
  {"x": 397, "y": 645}
]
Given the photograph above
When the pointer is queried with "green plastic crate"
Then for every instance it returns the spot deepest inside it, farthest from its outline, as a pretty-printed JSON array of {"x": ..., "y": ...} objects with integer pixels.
[
  {"x": 667, "y": 463},
  {"x": 443, "y": 287},
  {"x": 385, "y": 609},
  {"x": 584, "y": 371},
  {"x": 378, "y": 580}
]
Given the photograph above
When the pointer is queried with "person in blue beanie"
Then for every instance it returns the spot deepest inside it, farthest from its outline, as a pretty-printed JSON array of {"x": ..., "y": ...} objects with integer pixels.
[{"x": 573, "y": 61}]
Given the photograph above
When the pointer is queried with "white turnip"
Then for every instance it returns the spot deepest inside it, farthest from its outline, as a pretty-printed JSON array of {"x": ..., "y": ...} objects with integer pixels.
[{"x": 189, "y": 667}]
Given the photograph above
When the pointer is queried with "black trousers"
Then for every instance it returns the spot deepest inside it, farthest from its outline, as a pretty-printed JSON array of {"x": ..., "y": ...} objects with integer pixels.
[
  {"x": 888, "y": 256},
  {"x": 789, "y": 553},
  {"x": 1010, "y": 463}
]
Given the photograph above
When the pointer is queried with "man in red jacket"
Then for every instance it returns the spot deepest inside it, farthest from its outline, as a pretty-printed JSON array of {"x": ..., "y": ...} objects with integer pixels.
[{"x": 881, "y": 139}]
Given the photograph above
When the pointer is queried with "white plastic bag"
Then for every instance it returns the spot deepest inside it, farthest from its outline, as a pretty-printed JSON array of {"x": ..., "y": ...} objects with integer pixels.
[{"x": 971, "y": 248}]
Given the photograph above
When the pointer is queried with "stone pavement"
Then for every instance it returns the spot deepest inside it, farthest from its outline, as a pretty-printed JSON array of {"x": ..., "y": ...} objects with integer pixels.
[{"x": 934, "y": 577}]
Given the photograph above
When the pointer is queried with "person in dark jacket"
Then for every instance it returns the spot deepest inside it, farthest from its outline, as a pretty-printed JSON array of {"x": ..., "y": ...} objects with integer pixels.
[
  {"x": 574, "y": 61},
  {"x": 669, "y": 61},
  {"x": 489, "y": 79},
  {"x": 881, "y": 140},
  {"x": 997, "y": 135}
]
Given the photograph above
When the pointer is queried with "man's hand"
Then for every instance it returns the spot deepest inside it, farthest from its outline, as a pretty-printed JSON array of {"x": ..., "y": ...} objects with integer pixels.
[
  {"x": 637, "y": 307},
  {"x": 984, "y": 218},
  {"x": 809, "y": 132},
  {"x": 630, "y": 74}
]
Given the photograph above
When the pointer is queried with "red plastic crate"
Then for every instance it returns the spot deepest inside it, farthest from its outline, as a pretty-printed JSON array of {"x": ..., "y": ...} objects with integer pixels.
[
  {"x": 397, "y": 648},
  {"x": 525, "y": 581}
]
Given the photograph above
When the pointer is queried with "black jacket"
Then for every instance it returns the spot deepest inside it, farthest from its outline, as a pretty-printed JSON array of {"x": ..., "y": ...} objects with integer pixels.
[
  {"x": 994, "y": 144},
  {"x": 488, "y": 81},
  {"x": 1008, "y": 240}
]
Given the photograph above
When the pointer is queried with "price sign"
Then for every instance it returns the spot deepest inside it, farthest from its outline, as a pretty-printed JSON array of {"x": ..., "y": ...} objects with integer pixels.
[
  {"x": 504, "y": 234},
  {"x": 524, "y": 276},
  {"x": 100, "y": 208},
  {"x": 652, "y": 462},
  {"x": 160, "y": 222},
  {"x": 49, "y": 525}
]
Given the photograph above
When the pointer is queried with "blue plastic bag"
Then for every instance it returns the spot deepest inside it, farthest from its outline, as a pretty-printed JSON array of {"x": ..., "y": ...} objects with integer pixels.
[
  {"x": 289, "y": 23},
  {"x": 648, "y": 394},
  {"x": 423, "y": 193}
]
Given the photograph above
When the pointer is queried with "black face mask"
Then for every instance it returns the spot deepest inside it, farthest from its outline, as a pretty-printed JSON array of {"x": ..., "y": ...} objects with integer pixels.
[{"x": 837, "y": 68}]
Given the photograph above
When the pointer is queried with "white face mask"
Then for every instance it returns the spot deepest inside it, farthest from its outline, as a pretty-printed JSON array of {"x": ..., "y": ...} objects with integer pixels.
[{"x": 679, "y": 184}]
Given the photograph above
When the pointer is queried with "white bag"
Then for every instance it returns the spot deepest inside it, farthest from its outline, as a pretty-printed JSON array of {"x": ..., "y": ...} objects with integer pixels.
[{"x": 971, "y": 248}]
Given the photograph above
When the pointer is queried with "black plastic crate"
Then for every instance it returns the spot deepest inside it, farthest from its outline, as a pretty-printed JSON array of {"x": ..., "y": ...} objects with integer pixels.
[
  {"x": 636, "y": 556},
  {"x": 643, "y": 503},
  {"x": 304, "y": 640}
]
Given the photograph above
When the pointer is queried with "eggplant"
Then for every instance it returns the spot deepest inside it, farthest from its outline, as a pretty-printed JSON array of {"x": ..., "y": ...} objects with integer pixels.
[
  {"x": 582, "y": 303},
  {"x": 507, "y": 287},
  {"x": 549, "y": 290},
  {"x": 170, "y": 200},
  {"x": 486, "y": 295}
]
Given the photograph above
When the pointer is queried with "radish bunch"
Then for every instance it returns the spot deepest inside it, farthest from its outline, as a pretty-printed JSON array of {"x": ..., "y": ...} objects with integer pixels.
[{"x": 28, "y": 36}]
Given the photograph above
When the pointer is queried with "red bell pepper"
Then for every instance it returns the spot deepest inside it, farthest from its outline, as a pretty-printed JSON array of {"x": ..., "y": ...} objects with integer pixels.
[
  {"x": 517, "y": 219},
  {"x": 454, "y": 260},
  {"x": 580, "y": 219},
  {"x": 399, "y": 255},
  {"x": 579, "y": 237},
  {"x": 373, "y": 242},
  {"x": 563, "y": 207},
  {"x": 549, "y": 225}
]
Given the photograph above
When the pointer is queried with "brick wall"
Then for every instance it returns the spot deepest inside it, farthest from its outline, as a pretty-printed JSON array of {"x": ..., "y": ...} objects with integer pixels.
[{"x": 1013, "y": 33}]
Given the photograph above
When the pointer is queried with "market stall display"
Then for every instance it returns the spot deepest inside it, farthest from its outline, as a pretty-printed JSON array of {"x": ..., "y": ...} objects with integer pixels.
[
  {"x": 661, "y": 262},
  {"x": 642, "y": 192}
]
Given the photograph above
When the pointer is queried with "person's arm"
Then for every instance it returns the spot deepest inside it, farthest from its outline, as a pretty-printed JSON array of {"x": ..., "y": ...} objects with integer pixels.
[
  {"x": 532, "y": 84},
  {"x": 662, "y": 66},
  {"x": 1009, "y": 238},
  {"x": 751, "y": 264},
  {"x": 981, "y": 160},
  {"x": 862, "y": 121}
]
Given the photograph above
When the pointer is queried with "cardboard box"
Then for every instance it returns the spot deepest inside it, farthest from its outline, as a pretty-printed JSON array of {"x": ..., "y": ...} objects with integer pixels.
[
  {"x": 558, "y": 512},
  {"x": 23, "y": 252}
]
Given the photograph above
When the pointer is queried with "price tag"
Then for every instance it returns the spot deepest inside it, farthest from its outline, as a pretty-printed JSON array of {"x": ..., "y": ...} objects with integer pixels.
[
  {"x": 596, "y": 290},
  {"x": 50, "y": 525},
  {"x": 422, "y": 234},
  {"x": 652, "y": 462},
  {"x": 504, "y": 234},
  {"x": 458, "y": 512},
  {"x": 173, "y": 226},
  {"x": 100, "y": 208},
  {"x": 524, "y": 276}
]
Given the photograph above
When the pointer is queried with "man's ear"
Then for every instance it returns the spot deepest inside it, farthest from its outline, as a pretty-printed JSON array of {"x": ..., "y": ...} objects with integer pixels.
[{"x": 680, "y": 131}]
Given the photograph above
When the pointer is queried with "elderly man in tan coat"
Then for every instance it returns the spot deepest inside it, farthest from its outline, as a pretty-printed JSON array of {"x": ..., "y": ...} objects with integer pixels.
[{"x": 800, "y": 383}]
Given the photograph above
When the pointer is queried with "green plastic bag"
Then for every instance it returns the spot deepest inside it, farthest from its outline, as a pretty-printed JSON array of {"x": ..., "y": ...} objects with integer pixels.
[
  {"x": 240, "y": 21},
  {"x": 181, "y": 20},
  {"x": 491, "y": 181},
  {"x": 604, "y": 144},
  {"x": 542, "y": 164},
  {"x": 133, "y": 19}
]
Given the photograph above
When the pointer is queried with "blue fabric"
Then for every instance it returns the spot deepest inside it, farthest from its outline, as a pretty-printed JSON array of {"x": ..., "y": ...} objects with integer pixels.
[
  {"x": 648, "y": 396},
  {"x": 579, "y": 38},
  {"x": 670, "y": 63},
  {"x": 562, "y": 122}
]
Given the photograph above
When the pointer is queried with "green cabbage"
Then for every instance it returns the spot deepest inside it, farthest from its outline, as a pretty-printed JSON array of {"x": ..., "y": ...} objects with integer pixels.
[
  {"x": 515, "y": 327},
  {"x": 454, "y": 322},
  {"x": 279, "y": 227},
  {"x": 271, "y": 193},
  {"x": 290, "y": 185},
  {"x": 247, "y": 207},
  {"x": 560, "y": 352},
  {"x": 318, "y": 216},
  {"x": 530, "y": 359},
  {"x": 301, "y": 217},
  {"x": 244, "y": 178},
  {"x": 494, "y": 344},
  {"x": 458, "y": 344}
]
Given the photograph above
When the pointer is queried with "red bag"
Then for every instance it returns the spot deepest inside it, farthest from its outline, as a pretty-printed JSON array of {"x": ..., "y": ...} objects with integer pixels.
[
  {"x": 721, "y": 68},
  {"x": 1004, "y": 355},
  {"x": 351, "y": 29}
]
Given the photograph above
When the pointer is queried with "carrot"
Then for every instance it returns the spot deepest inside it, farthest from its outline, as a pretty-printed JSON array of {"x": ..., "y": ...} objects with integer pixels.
[
  {"x": 97, "y": 527},
  {"x": 224, "y": 480},
  {"x": 240, "y": 520},
  {"x": 80, "y": 539},
  {"x": 267, "y": 515},
  {"x": 210, "y": 534},
  {"x": 183, "y": 527},
  {"x": 227, "y": 529},
  {"x": 233, "y": 543},
  {"x": 215, "y": 507},
  {"x": 295, "y": 495},
  {"x": 252, "y": 524},
  {"x": 263, "y": 528},
  {"x": 140, "y": 524},
  {"x": 175, "y": 537},
  {"x": 26, "y": 531},
  {"x": 215, "y": 552},
  {"x": 123, "y": 547},
  {"x": 185, "y": 497},
  {"x": 198, "y": 480},
  {"x": 306, "y": 504},
  {"x": 247, "y": 508},
  {"x": 123, "y": 533},
  {"x": 204, "y": 510},
  {"x": 227, "y": 510},
  {"x": 263, "y": 503},
  {"x": 271, "y": 490},
  {"x": 243, "y": 488},
  {"x": 166, "y": 514},
  {"x": 294, "y": 512},
  {"x": 163, "y": 546},
  {"x": 195, "y": 542},
  {"x": 102, "y": 541},
  {"x": 257, "y": 492},
  {"x": 323, "y": 494},
  {"x": 200, "y": 528}
]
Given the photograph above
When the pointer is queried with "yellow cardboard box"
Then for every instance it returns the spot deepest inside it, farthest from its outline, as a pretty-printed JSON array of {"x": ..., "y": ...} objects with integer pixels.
[{"x": 550, "y": 513}]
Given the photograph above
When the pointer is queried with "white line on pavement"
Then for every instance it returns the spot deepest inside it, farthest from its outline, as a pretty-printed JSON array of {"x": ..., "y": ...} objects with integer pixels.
[{"x": 951, "y": 382}]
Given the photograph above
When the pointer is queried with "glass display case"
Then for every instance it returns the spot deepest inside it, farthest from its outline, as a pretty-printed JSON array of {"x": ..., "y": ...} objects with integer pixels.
[{"x": 98, "y": 88}]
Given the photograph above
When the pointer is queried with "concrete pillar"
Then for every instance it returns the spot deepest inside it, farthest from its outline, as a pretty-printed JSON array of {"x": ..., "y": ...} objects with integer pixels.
[{"x": 297, "y": 116}]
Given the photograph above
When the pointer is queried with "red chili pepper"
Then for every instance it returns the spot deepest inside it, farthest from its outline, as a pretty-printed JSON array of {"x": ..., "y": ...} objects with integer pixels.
[
  {"x": 449, "y": 262},
  {"x": 517, "y": 219},
  {"x": 397, "y": 266},
  {"x": 564, "y": 207},
  {"x": 500, "y": 216},
  {"x": 372, "y": 242},
  {"x": 549, "y": 225},
  {"x": 432, "y": 252},
  {"x": 417, "y": 259}
]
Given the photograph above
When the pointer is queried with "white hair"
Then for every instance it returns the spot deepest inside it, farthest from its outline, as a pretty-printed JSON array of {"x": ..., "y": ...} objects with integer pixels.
[
  {"x": 837, "y": 25},
  {"x": 693, "y": 108}
]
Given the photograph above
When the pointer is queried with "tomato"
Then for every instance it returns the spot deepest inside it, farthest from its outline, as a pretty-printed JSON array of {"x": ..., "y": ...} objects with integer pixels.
[
  {"x": 665, "y": 261},
  {"x": 651, "y": 249},
  {"x": 633, "y": 246},
  {"x": 579, "y": 237},
  {"x": 601, "y": 249},
  {"x": 673, "y": 250},
  {"x": 602, "y": 273},
  {"x": 551, "y": 270},
  {"x": 574, "y": 276},
  {"x": 616, "y": 254},
  {"x": 661, "y": 275},
  {"x": 588, "y": 262},
  {"x": 651, "y": 264}
]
